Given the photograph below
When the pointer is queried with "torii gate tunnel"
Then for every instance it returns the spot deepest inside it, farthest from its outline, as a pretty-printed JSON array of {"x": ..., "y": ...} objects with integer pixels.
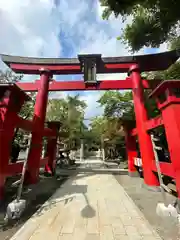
[{"x": 13, "y": 97}]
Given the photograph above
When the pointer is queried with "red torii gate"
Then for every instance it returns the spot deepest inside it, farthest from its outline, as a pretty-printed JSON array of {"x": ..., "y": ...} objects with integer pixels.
[{"x": 47, "y": 67}]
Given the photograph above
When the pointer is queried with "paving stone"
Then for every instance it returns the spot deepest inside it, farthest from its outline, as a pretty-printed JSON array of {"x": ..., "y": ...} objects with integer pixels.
[
  {"x": 79, "y": 233},
  {"x": 135, "y": 237},
  {"x": 46, "y": 234},
  {"x": 44, "y": 224},
  {"x": 92, "y": 226},
  {"x": 151, "y": 238},
  {"x": 119, "y": 230},
  {"x": 144, "y": 230},
  {"x": 106, "y": 233},
  {"x": 132, "y": 232},
  {"x": 80, "y": 222},
  {"x": 105, "y": 237},
  {"x": 121, "y": 237},
  {"x": 127, "y": 220},
  {"x": 92, "y": 237},
  {"x": 26, "y": 232},
  {"x": 96, "y": 208},
  {"x": 104, "y": 219},
  {"x": 117, "y": 226},
  {"x": 57, "y": 223},
  {"x": 68, "y": 227},
  {"x": 65, "y": 237}
]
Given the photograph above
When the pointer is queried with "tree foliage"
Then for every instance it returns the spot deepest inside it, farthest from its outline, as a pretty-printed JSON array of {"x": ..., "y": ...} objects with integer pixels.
[
  {"x": 117, "y": 104},
  {"x": 107, "y": 134},
  {"x": 153, "y": 21},
  {"x": 98, "y": 128},
  {"x": 9, "y": 77},
  {"x": 26, "y": 112},
  {"x": 173, "y": 72},
  {"x": 107, "y": 129},
  {"x": 118, "y": 108},
  {"x": 70, "y": 112}
]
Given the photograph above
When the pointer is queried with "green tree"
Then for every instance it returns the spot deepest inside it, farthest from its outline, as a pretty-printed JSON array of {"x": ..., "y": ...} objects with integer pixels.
[
  {"x": 26, "y": 112},
  {"x": 9, "y": 77},
  {"x": 106, "y": 132},
  {"x": 153, "y": 21},
  {"x": 119, "y": 108},
  {"x": 117, "y": 104},
  {"x": 173, "y": 72},
  {"x": 70, "y": 112},
  {"x": 98, "y": 128}
]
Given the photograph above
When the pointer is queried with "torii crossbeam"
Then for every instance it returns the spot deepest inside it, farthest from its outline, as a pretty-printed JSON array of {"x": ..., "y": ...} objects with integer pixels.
[{"x": 60, "y": 66}]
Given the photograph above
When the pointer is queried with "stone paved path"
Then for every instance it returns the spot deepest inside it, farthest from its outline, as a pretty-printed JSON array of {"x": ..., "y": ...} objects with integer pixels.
[{"x": 88, "y": 207}]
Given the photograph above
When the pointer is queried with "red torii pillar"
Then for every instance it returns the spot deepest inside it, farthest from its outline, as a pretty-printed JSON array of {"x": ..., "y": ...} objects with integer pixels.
[
  {"x": 130, "y": 148},
  {"x": 51, "y": 148},
  {"x": 12, "y": 99},
  {"x": 35, "y": 152},
  {"x": 145, "y": 143},
  {"x": 131, "y": 153}
]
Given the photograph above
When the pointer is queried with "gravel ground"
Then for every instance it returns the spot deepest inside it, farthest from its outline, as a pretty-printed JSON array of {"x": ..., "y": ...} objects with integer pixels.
[
  {"x": 37, "y": 195},
  {"x": 147, "y": 200}
]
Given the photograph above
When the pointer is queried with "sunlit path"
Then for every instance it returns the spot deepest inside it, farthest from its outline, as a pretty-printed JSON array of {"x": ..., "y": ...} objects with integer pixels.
[{"x": 88, "y": 206}]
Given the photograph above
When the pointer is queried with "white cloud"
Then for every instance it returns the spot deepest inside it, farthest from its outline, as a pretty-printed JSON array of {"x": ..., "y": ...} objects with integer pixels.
[
  {"x": 41, "y": 28},
  {"x": 94, "y": 108},
  {"x": 28, "y": 28}
]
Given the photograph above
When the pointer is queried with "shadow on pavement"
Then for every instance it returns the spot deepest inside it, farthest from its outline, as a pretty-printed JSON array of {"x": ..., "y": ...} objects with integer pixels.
[{"x": 88, "y": 211}]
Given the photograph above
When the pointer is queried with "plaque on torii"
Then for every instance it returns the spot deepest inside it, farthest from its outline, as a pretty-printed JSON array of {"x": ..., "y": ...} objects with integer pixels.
[{"x": 89, "y": 67}]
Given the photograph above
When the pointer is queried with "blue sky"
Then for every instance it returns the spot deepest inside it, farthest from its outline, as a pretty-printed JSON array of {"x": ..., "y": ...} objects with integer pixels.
[{"x": 62, "y": 28}]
